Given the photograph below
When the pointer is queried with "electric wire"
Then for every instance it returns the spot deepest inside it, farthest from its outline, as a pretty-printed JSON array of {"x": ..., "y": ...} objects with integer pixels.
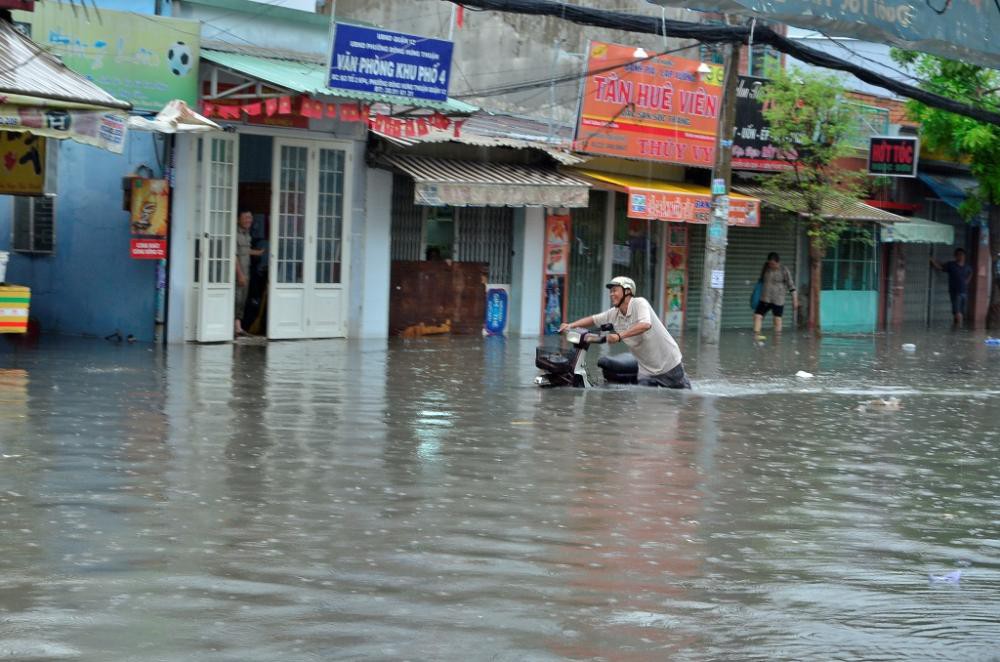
[{"x": 729, "y": 34}]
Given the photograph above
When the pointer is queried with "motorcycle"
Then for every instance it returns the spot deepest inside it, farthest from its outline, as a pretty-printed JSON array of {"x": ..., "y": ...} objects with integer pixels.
[{"x": 567, "y": 366}]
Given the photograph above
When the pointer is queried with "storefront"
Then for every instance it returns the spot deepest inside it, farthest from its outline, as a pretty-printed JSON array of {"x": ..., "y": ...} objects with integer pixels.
[
  {"x": 459, "y": 229},
  {"x": 653, "y": 231},
  {"x": 852, "y": 271},
  {"x": 293, "y": 155},
  {"x": 42, "y": 104}
]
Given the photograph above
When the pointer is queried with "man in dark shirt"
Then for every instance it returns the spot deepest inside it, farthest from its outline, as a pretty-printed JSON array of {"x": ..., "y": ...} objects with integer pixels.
[{"x": 959, "y": 275}]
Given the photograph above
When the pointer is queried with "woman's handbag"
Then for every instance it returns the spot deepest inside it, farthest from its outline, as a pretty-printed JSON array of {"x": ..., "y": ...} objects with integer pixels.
[{"x": 755, "y": 295}]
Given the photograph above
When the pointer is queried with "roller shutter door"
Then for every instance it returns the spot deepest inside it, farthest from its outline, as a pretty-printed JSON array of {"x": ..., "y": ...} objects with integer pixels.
[{"x": 745, "y": 255}]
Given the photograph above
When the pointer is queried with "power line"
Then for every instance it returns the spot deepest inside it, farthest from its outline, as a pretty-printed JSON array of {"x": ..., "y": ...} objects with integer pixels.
[
  {"x": 730, "y": 34},
  {"x": 566, "y": 78}
]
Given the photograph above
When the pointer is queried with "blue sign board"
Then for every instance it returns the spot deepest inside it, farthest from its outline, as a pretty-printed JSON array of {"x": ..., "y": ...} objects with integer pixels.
[{"x": 383, "y": 62}]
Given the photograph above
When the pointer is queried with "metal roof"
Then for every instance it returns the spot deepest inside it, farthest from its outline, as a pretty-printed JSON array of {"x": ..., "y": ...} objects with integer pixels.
[
  {"x": 485, "y": 129},
  {"x": 27, "y": 70},
  {"x": 458, "y": 183},
  {"x": 834, "y": 206},
  {"x": 454, "y": 171},
  {"x": 307, "y": 76}
]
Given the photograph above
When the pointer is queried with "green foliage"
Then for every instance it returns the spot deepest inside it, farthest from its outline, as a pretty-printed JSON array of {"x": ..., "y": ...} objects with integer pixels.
[
  {"x": 811, "y": 125},
  {"x": 960, "y": 138}
]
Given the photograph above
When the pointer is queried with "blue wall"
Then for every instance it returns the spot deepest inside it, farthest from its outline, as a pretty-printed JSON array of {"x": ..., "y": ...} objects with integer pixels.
[{"x": 90, "y": 285}]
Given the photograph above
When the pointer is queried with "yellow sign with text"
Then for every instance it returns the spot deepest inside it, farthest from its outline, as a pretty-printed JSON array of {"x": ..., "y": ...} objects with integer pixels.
[{"x": 22, "y": 163}]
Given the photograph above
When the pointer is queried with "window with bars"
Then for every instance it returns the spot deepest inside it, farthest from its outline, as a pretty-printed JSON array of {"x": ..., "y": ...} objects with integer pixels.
[
  {"x": 34, "y": 226},
  {"x": 852, "y": 264}
]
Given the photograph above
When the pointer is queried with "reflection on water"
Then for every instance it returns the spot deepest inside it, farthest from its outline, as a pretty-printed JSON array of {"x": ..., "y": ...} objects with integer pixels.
[{"x": 422, "y": 500}]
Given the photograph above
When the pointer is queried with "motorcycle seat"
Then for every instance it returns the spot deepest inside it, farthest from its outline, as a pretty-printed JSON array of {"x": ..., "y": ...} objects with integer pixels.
[{"x": 619, "y": 367}]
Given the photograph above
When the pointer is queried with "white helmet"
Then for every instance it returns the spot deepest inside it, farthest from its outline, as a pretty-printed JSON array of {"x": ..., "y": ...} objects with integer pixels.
[{"x": 624, "y": 282}]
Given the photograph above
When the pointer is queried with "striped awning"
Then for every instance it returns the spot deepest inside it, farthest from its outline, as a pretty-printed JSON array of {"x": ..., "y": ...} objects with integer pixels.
[
  {"x": 834, "y": 206},
  {"x": 457, "y": 183}
]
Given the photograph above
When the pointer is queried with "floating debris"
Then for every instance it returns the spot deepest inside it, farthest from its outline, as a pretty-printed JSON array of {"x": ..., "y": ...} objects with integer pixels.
[
  {"x": 909, "y": 347},
  {"x": 802, "y": 374},
  {"x": 952, "y": 577},
  {"x": 883, "y": 404}
]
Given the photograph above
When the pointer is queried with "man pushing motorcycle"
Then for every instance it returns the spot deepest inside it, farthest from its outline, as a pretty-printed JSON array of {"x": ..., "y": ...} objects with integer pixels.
[{"x": 636, "y": 325}]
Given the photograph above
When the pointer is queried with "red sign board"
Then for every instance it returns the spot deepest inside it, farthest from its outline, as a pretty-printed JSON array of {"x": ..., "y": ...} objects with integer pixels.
[
  {"x": 148, "y": 249},
  {"x": 684, "y": 207},
  {"x": 655, "y": 109},
  {"x": 893, "y": 156},
  {"x": 23, "y": 5}
]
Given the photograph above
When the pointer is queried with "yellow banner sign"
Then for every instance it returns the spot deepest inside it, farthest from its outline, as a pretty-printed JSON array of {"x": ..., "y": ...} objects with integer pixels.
[{"x": 22, "y": 163}]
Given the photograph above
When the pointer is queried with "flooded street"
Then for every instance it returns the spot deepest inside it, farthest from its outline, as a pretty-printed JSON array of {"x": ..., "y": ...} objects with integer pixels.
[{"x": 422, "y": 500}]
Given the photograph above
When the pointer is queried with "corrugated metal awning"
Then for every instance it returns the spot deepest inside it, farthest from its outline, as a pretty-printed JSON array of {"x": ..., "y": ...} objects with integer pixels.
[
  {"x": 455, "y": 183},
  {"x": 31, "y": 76},
  {"x": 308, "y": 77},
  {"x": 834, "y": 206},
  {"x": 918, "y": 231},
  {"x": 678, "y": 202},
  {"x": 484, "y": 129}
]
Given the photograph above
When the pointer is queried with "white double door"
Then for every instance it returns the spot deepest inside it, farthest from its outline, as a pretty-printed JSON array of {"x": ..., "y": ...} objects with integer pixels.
[
  {"x": 307, "y": 250},
  {"x": 307, "y": 258}
]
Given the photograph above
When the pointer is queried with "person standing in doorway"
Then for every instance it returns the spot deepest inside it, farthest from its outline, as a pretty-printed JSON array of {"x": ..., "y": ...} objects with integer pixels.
[
  {"x": 959, "y": 275},
  {"x": 777, "y": 284},
  {"x": 243, "y": 253}
]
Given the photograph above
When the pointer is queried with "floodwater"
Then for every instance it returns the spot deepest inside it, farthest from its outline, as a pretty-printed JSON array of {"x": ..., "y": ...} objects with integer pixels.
[{"x": 422, "y": 500}]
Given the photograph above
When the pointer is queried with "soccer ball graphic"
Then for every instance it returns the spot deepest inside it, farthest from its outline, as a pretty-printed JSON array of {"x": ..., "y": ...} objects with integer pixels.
[{"x": 179, "y": 59}]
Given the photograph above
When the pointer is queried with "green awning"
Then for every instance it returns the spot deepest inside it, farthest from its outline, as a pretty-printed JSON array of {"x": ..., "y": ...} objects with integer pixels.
[
  {"x": 918, "y": 231},
  {"x": 311, "y": 78}
]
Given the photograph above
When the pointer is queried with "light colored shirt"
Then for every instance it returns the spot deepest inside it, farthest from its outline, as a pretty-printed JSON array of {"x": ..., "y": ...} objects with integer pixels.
[
  {"x": 655, "y": 350},
  {"x": 777, "y": 282}
]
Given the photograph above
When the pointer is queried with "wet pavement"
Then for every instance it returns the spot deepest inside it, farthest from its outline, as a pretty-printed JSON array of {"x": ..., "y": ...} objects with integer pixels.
[{"x": 422, "y": 500}]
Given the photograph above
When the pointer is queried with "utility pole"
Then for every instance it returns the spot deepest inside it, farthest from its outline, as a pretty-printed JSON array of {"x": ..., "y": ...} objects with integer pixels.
[{"x": 713, "y": 276}]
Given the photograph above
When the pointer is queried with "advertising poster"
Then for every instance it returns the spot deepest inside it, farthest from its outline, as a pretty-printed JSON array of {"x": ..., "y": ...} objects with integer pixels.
[
  {"x": 104, "y": 129},
  {"x": 676, "y": 278},
  {"x": 557, "y": 244},
  {"x": 149, "y": 219},
  {"x": 557, "y": 229},
  {"x": 658, "y": 109},
  {"x": 22, "y": 163},
  {"x": 555, "y": 304},
  {"x": 146, "y": 60}
]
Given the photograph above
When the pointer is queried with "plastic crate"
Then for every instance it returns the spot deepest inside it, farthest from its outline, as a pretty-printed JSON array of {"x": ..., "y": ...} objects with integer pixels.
[{"x": 14, "y": 301}]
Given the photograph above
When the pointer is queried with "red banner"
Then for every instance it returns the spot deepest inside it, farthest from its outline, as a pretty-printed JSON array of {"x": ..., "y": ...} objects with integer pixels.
[{"x": 656, "y": 109}]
